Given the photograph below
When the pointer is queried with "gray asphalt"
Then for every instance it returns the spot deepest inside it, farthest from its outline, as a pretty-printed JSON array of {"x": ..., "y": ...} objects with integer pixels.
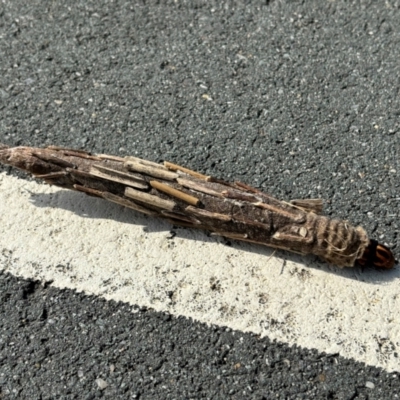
[{"x": 298, "y": 99}]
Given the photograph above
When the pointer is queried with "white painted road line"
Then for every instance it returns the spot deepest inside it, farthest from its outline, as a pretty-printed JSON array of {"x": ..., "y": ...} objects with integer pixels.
[{"x": 92, "y": 246}]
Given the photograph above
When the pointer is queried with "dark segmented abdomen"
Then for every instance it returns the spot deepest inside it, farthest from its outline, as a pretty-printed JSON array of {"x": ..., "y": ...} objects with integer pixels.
[{"x": 337, "y": 241}]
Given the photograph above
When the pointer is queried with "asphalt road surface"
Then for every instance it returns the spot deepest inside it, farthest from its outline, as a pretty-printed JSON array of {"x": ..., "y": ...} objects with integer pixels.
[{"x": 299, "y": 99}]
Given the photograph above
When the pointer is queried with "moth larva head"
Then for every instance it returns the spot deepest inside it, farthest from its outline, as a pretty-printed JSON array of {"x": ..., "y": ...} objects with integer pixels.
[{"x": 377, "y": 255}]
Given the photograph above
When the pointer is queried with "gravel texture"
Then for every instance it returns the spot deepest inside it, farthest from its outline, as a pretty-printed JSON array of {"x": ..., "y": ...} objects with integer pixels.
[
  {"x": 62, "y": 344},
  {"x": 300, "y": 99}
]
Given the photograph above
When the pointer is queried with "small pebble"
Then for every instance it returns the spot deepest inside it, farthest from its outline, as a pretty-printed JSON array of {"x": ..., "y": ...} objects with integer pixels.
[
  {"x": 369, "y": 385},
  {"x": 101, "y": 383},
  {"x": 286, "y": 362}
]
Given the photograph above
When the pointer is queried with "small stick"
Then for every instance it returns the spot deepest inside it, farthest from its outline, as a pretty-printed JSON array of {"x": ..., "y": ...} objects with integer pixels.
[
  {"x": 211, "y": 215},
  {"x": 198, "y": 187},
  {"x": 78, "y": 172},
  {"x": 282, "y": 211},
  {"x": 112, "y": 158},
  {"x": 57, "y": 148},
  {"x": 80, "y": 154},
  {"x": 120, "y": 177},
  {"x": 89, "y": 191},
  {"x": 52, "y": 175},
  {"x": 150, "y": 170},
  {"x": 175, "y": 167},
  {"x": 162, "y": 187},
  {"x": 247, "y": 187},
  {"x": 53, "y": 159},
  {"x": 149, "y": 199},
  {"x": 144, "y": 162},
  {"x": 240, "y": 195}
]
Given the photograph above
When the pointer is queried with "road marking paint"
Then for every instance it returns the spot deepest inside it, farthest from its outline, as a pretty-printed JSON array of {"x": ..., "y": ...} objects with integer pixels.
[{"x": 101, "y": 248}]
